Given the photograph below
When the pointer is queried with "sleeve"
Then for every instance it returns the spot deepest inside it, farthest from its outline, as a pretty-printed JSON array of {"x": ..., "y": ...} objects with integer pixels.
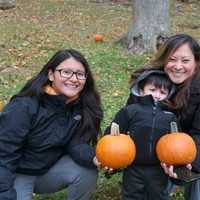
[
  {"x": 195, "y": 132},
  {"x": 122, "y": 119},
  {"x": 83, "y": 154},
  {"x": 14, "y": 126},
  {"x": 81, "y": 150}
]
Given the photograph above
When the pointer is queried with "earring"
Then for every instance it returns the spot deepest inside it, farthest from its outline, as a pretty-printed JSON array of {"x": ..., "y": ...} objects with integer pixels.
[{"x": 51, "y": 79}]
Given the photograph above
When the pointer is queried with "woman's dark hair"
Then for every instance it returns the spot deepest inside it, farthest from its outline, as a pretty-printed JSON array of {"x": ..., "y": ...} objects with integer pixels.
[
  {"x": 89, "y": 97},
  {"x": 158, "y": 62}
]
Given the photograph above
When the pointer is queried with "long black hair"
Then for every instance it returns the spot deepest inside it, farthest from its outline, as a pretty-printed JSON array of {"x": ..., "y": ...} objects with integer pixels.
[{"x": 89, "y": 96}]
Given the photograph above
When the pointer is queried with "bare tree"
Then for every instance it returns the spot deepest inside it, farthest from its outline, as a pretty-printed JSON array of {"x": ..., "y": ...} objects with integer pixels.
[
  {"x": 7, "y": 4},
  {"x": 150, "y": 26}
]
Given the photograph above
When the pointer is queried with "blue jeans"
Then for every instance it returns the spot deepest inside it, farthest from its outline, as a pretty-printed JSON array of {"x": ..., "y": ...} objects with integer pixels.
[
  {"x": 79, "y": 181},
  {"x": 171, "y": 187},
  {"x": 192, "y": 190}
]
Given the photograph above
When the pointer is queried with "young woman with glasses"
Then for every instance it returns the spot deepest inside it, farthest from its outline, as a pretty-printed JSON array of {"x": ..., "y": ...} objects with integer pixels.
[{"x": 47, "y": 132}]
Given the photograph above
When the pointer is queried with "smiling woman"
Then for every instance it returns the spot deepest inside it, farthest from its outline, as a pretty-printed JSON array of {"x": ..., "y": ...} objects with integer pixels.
[
  {"x": 68, "y": 78},
  {"x": 179, "y": 57},
  {"x": 48, "y": 131},
  {"x": 181, "y": 64}
]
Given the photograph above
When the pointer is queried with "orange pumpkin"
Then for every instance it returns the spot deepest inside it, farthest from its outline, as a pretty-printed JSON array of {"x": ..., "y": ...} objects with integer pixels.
[
  {"x": 1, "y": 105},
  {"x": 115, "y": 151},
  {"x": 98, "y": 38},
  {"x": 176, "y": 149}
]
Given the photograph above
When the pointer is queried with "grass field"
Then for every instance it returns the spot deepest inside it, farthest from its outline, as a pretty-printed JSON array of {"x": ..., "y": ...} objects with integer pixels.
[{"x": 33, "y": 31}]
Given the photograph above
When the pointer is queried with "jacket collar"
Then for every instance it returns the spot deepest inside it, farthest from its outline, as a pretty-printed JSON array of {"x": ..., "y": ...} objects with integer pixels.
[
  {"x": 148, "y": 100},
  {"x": 57, "y": 100}
]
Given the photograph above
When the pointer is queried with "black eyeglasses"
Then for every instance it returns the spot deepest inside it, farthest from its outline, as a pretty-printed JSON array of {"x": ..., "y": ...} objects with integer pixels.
[{"x": 66, "y": 73}]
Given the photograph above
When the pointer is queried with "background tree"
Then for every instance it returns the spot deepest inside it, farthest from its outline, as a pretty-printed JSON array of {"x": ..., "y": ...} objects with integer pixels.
[
  {"x": 6, "y": 4},
  {"x": 150, "y": 26}
]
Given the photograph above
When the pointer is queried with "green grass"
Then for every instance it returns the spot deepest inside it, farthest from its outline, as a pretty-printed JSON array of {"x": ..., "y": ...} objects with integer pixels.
[{"x": 33, "y": 31}]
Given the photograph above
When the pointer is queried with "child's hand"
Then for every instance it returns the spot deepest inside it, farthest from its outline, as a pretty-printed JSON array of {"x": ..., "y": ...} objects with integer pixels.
[{"x": 108, "y": 170}]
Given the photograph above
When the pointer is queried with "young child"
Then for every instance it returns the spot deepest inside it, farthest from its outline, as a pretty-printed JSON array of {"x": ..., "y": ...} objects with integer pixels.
[{"x": 146, "y": 121}]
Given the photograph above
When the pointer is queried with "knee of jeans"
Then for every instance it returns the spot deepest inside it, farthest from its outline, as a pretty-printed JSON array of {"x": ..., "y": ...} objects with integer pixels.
[{"x": 88, "y": 176}]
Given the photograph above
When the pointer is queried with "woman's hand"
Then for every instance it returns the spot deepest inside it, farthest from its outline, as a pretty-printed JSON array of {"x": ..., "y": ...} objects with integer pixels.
[
  {"x": 170, "y": 169},
  {"x": 98, "y": 164}
]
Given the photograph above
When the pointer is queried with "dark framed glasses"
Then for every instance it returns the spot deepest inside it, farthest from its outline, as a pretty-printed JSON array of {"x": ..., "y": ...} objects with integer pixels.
[{"x": 66, "y": 73}]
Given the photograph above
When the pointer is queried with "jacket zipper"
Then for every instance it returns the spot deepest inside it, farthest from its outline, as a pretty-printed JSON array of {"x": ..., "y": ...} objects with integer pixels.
[{"x": 152, "y": 130}]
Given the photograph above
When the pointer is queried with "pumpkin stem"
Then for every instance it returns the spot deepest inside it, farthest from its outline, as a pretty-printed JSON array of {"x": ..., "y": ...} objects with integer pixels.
[
  {"x": 114, "y": 129},
  {"x": 173, "y": 127}
]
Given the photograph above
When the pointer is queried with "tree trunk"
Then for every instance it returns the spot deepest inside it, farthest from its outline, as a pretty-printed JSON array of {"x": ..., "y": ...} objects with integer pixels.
[
  {"x": 150, "y": 27},
  {"x": 7, "y": 4}
]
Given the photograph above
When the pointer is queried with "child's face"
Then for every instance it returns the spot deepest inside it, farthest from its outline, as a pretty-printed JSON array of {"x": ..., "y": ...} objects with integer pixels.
[{"x": 157, "y": 93}]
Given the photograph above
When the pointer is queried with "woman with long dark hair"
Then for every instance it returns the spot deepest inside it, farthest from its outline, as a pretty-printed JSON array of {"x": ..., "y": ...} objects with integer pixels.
[
  {"x": 48, "y": 131},
  {"x": 179, "y": 57}
]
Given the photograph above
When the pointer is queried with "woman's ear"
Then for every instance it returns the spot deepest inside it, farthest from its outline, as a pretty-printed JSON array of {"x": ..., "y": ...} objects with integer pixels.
[{"x": 51, "y": 75}]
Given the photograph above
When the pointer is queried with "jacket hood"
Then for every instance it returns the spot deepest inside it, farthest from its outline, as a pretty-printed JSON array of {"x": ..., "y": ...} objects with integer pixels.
[{"x": 135, "y": 90}]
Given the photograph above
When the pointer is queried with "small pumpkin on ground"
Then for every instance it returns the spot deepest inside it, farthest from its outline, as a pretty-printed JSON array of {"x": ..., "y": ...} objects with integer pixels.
[
  {"x": 99, "y": 38},
  {"x": 115, "y": 151},
  {"x": 176, "y": 148}
]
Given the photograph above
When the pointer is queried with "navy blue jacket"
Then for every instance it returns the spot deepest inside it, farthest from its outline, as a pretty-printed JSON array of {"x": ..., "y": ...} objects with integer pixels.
[{"x": 34, "y": 136}]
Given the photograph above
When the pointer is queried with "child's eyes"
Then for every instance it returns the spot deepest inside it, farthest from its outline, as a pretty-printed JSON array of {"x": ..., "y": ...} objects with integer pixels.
[
  {"x": 163, "y": 92},
  {"x": 152, "y": 89}
]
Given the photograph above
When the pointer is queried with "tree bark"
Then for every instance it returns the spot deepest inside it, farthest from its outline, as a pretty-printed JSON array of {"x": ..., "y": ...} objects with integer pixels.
[
  {"x": 7, "y": 4},
  {"x": 150, "y": 26}
]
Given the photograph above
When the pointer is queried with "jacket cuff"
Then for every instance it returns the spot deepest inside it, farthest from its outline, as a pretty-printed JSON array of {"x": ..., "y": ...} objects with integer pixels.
[{"x": 83, "y": 154}]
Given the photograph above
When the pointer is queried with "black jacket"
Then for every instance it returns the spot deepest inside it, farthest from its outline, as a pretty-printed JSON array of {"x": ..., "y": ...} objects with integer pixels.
[
  {"x": 190, "y": 122},
  {"x": 34, "y": 136},
  {"x": 146, "y": 122}
]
